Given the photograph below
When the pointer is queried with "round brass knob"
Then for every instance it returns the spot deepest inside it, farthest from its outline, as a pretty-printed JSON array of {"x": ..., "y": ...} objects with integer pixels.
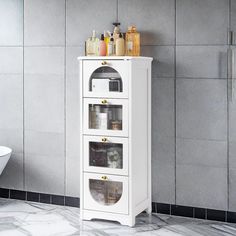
[
  {"x": 104, "y": 101},
  {"x": 104, "y": 178},
  {"x": 104, "y": 63},
  {"x": 104, "y": 140}
]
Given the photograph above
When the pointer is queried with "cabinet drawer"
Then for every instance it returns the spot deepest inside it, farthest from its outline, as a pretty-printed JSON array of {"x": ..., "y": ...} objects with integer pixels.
[
  {"x": 107, "y": 117},
  {"x": 106, "y": 78},
  {"x": 105, "y": 155},
  {"x": 106, "y": 193}
]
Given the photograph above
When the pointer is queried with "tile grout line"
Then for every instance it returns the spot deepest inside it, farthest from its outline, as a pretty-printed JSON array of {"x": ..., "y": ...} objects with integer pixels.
[
  {"x": 117, "y": 10},
  {"x": 175, "y": 104},
  {"x": 185, "y": 77},
  {"x": 202, "y": 139},
  {"x": 228, "y": 100},
  {"x": 65, "y": 109},
  {"x": 24, "y": 184},
  {"x": 142, "y": 45},
  {"x": 198, "y": 78}
]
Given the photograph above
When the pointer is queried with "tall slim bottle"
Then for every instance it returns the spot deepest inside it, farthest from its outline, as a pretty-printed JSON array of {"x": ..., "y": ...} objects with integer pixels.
[
  {"x": 102, "y": 47},
  {"x": 106, "y": 39},
  {"x": 116, "y": 31},
  {"x": 111, "y": 47},
  {"x": 132, "y": 40},
  {"x": 120, "y": 46}
]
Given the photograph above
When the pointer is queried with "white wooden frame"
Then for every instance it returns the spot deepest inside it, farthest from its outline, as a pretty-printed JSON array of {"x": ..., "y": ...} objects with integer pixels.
[{"x": 136, "y": 196}]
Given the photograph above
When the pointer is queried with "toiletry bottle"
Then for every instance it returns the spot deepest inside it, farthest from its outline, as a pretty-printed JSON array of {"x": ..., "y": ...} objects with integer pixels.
[
  {"x": 116, "y": 31},
  {"x": 92, "y": 116},
  {"x": 108, "y": 111},
  {"x": 111, "y": 47},
  {"x": 103, "y": 121},
  {"x": 96, "y": 44},
  {"x": 102, "y": 47},
  {"x": 92, "y": 45},
  {"x": 89, "y": 47},
  {"x": 120, "y": 46},
  {"x": 132, "y": 39},
  {"x": 106, "y": 39},
  {"x": 97, "y": 110}
]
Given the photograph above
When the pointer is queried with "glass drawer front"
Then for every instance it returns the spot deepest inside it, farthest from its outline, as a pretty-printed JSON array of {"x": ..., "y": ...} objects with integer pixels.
[
  {"x": 106, "y": 117},
  {"x": 106, "y": 79},
  {"x": 106, "y": 193},
  {"x": 106, "y": 155}
]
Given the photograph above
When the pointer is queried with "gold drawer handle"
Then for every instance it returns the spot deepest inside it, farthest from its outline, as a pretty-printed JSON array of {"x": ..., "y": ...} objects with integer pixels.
[
  {"x": 104, "y": 140},
  {"x": 104, "y": 178},
  {"x": 104, "y": 63},
  {"x": 104, "y": 101}
]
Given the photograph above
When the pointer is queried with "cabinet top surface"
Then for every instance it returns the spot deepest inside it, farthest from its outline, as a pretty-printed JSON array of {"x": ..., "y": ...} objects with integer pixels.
[{"x": 113, "y": 58}]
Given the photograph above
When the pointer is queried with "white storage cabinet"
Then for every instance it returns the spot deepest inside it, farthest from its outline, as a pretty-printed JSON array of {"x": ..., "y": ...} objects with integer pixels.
[{"x": 115, "y": 96}]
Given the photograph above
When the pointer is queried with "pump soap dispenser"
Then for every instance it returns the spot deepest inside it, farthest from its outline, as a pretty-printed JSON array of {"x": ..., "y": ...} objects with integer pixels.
[
  {"x": 116, "y": 31},
  {"x": 120, "y": 46}
]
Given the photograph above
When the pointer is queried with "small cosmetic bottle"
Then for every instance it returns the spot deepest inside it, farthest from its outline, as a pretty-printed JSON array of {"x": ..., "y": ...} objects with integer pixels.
[
  {"x": 102, "y": 47},
  {"x": 106, "y": 39},
  {"x": 120, "y": 46},
  {"x": 92, "y": 44},
  {"x": 111, "y": 47}
]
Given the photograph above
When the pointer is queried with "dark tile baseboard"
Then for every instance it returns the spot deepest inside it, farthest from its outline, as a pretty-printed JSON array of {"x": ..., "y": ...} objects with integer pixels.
[
  {"x": 169, "y": 209},
  {"x": 40, "y": 197},
  {"x": 194, "y": 212}
]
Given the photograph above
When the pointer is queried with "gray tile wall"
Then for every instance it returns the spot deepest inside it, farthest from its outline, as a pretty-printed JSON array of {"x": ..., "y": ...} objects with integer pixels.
[
  {"x": 232, "y": 153},
  {"x": 39, "y": 91},
  {"x": 201, "y": 103}
]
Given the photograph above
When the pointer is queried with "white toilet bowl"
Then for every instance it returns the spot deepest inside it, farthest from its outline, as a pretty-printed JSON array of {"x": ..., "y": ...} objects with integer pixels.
[{"x": 5, "y": 154}]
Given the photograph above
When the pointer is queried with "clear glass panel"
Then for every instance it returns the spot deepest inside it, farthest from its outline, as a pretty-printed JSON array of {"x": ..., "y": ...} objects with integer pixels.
[
  {"x": 105, "y": 79},
  {"x": 105, "y": 192},
  {"x": 108, "y": 155},
  {"x": 105, "y": 117}
]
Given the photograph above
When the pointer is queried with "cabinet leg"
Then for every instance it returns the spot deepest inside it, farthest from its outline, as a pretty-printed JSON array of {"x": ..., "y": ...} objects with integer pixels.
[
  {"x": 131, "y": 221},
  {"x": 149, "y": 210},
  {"x": 86, "y": 218},
  {"x": 128, "y": 221}
]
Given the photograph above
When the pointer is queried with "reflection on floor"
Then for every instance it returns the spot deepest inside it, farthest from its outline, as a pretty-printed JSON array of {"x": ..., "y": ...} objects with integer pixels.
[{"x": 25, "y": 218}]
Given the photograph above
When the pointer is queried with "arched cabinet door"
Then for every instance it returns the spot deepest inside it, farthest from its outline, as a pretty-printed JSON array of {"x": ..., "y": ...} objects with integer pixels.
[
  {"x": 106, "y": 79},
  {"x": 107, "y": 193}
]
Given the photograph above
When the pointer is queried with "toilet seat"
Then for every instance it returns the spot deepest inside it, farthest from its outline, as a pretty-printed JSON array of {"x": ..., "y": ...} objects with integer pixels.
[{"x": 4, "y": 151}]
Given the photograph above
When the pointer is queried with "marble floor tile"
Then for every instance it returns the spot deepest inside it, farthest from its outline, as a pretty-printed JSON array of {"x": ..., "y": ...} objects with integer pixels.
[{"x": 19, "y": 218}]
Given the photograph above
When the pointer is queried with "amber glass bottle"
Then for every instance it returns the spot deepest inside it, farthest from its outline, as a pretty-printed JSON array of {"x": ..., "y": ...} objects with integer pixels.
[{"x": 132, "y": 42}]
